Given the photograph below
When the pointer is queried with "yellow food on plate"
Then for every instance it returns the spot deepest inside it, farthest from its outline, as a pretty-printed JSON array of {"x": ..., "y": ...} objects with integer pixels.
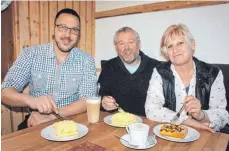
[
  {"x": 66, "y": 128},
  {"x": 123, "y": 118},
  {"x": 172, "y": 130}
]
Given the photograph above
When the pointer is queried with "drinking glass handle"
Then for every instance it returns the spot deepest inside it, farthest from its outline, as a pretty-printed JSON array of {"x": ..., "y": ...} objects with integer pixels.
[
  {"x": 98, "y": 88},
  {"x": 127, "y": 129}
]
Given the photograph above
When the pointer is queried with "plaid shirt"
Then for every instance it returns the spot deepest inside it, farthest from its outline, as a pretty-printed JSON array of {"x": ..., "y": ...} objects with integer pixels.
[{"x": 67, "y": 82}]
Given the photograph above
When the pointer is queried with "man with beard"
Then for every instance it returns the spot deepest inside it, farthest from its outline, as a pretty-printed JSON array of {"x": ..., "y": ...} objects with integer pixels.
[
  {"x": 125, "y": 79},
  {"x": 60, "y": 76}
]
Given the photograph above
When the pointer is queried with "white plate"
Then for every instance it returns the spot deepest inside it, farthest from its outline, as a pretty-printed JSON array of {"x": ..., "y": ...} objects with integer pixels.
[
  {"x": 108, "y": 120},
  {"x": 127, "y": 138},
  {"x": 191, "y": 136},
  {"x": 49, "y": 133}
]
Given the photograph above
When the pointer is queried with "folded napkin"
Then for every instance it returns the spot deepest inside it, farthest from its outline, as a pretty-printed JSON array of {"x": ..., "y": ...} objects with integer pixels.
[{"x": 87, "y": 146}]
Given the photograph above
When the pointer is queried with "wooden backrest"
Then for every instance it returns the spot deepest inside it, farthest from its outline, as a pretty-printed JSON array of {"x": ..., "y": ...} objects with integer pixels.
[
  {"x": 225, "y": 70},
  {"x": 12, "y": 117}
]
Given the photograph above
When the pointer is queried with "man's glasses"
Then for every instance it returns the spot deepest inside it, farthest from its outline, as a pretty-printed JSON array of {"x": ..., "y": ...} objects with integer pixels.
[
  {"x": 122, "y": 44},
  {"x": 63, "y": 28}
]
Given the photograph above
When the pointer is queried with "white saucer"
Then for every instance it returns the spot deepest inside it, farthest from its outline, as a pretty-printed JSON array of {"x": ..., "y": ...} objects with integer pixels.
[{"x": 127, "y": 138}]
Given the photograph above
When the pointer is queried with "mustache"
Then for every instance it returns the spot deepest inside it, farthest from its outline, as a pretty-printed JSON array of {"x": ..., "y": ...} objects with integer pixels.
[
  {"x": 65, "y": 38},
  {"x": 128, "y": 50}
]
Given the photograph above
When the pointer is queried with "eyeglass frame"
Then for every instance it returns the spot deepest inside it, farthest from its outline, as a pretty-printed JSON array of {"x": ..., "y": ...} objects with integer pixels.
[
  {"x": 123, "y": 44},
  {"x": 66, "y": 28}
]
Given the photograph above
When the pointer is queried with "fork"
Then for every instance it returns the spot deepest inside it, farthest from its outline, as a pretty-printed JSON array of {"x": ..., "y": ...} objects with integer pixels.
[
  {"x": 116, "y": 104},
  {"x": 176, "y": 117},
  {"x": 119, "y": 108}
]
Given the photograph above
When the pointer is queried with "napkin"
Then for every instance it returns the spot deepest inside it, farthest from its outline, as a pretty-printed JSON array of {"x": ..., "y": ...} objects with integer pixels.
[{"x": 87, "y": 146}]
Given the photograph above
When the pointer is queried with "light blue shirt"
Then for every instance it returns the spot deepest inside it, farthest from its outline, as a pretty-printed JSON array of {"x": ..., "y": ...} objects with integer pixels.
[
  {"x": 132, "y": 68},
  {"x": 71, "y": 80}
]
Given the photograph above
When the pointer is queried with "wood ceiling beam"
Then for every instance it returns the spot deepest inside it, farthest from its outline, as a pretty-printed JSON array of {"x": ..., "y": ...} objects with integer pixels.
[{"x": 160, "y": 6}]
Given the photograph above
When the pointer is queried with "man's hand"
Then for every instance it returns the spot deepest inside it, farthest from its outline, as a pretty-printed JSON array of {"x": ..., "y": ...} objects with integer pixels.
[
  {"x": 44, "y": 104},
  {"x": 193, "y": 107},
  {"x": 108, "y": 103},
  {"x": 37, "y": 118},
  {"x": 193, "y": 123}
]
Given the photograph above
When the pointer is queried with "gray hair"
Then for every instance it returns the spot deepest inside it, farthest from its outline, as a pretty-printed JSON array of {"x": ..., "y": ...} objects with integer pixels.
[{"x": 126, "y": 29}]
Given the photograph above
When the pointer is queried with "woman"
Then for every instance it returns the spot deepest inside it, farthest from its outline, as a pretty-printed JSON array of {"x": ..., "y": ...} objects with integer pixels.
[{"x": 185, "y": 80}]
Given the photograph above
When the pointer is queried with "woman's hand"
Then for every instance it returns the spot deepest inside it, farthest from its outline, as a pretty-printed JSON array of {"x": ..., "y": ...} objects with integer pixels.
[
  {"x": 108, "y": 103},
  {"x": 193, "y": 123},
  {"x": 193, "y": 108}
]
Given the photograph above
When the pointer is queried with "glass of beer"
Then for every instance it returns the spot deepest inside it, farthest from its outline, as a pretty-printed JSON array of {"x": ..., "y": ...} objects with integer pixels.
[{"x": 93, "y": 109}]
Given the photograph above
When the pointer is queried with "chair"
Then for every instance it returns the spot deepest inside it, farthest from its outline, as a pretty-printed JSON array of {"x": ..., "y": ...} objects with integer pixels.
[{"x": 225, "y": 70}]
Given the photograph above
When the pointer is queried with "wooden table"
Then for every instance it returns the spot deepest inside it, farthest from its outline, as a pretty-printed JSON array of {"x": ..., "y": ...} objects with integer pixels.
[{"x": 102, "y": 134}]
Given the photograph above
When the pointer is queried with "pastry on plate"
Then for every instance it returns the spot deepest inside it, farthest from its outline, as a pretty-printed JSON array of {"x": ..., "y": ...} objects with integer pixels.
[
  {"x": 172, "y": 130},
  {"x": 66, "y": 128},
  {"x": 123, "y": 118}
]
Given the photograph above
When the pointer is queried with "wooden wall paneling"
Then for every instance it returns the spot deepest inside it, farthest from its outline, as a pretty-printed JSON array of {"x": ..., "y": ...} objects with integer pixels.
[
  {"x": 6, "y": 126},
  {"x": 61, "y": 5},
  {"x": 44, "y": 22},
  {"x": 52, "y": 15},
  {"x": 93, "y": 29},
  {"x": 7, "y": 54},
  {"x": 69, "y": 4},
  {"x": 16, "y": 117},
  {"x": 76, "y": 7},
  {"x": 88, "y": 28},
  {"x": 34, "y": 22},
  {"x": 34, "y": 33},
  {"x": 24, "y": 27},
  {"x": 83, "y": 25},
  {"x": 16, "y": 31},
  {"x": 6, "y": 40}
]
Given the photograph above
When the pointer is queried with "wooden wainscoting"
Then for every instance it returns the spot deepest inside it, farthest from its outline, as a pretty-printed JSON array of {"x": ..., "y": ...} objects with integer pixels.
[
  {"x": 31, "y": 23},
  {"x": 12, "y": 117}
]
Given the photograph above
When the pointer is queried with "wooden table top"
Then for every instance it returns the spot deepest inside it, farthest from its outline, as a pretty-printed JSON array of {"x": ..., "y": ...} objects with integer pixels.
[{"x": 102, "y": 134}]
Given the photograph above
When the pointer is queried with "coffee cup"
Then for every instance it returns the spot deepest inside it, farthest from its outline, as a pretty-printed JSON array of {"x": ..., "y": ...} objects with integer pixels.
[
  {"x": 93, "y": 109},
  {"x": 138, "y": 133}
]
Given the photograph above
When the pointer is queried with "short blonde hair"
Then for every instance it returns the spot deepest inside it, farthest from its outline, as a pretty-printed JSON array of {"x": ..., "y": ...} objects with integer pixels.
[{"x": 174, "y": 30}]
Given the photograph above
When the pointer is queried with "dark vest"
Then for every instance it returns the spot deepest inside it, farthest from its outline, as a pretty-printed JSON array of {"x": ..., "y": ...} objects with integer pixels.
[{"x": 205, "y": 76}]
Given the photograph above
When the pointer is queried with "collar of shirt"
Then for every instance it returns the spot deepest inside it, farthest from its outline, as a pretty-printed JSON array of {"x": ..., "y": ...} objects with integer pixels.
[
  {"x": 177, "y": 76},
  {"x": 51, "y": 53},
  {"x": 180, "y": 88},
  {"x": 132, "y": 68}
]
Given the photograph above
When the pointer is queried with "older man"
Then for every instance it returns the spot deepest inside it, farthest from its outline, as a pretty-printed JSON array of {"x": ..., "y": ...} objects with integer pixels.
[
  {"x": 60, "y": 76},
  {"x": 125, "y": 79}
]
